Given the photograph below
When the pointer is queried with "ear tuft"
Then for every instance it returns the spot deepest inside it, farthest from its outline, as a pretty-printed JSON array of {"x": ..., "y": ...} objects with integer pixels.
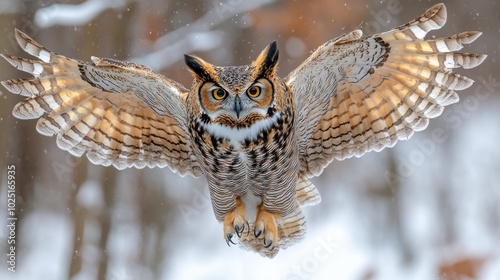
[
  {"x": 199, "y": 67},
  {"x": 267, "y": 60}
]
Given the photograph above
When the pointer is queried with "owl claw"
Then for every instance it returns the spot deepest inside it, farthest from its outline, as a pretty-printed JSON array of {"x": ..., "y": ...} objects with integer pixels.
[
  {"x": 237, "y": 230},
  {"x": 229, "y": 236},
  {"x": 243, "y": 227},
  {"x": 248, "y": 228},
  {"x": 268, "y": 245},
  {"x": 265, "y": 225},
  {"x": 257, "y": 233},
  {"x": 234, "y": 222}
]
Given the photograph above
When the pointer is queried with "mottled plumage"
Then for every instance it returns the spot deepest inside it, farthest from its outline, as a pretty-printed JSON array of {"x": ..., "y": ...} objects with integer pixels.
[{"x": 254, "y": 136}]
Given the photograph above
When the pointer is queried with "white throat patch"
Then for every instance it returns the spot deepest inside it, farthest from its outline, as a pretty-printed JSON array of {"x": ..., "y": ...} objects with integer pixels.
[{"x": 238, "y": 135}]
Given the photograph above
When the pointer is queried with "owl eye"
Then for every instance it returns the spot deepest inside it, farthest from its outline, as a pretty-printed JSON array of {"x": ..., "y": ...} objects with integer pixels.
[
  {"x": 219, "y": 94},
  {"x": 254, "y": 91}
]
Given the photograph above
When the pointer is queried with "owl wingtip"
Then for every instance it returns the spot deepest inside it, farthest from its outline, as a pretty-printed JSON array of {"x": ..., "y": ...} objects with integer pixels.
[
  {"x": 21, "y": 37},
  {"x": 438, "y": 13},
  {"x": 18, "y": 32},
  {"x": 439, "y": 7}
]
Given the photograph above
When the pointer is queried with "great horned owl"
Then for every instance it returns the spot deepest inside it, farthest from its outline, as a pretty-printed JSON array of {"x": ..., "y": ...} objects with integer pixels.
[{"x": 257, "y": 138}]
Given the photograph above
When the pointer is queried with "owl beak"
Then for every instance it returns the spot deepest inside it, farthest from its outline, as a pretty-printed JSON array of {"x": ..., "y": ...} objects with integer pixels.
[{"x": 237, "y": 106}]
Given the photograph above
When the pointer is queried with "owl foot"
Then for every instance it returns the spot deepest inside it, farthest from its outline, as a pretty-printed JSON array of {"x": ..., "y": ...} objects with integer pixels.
[
  {"x": 234, "y": 222},
  {"x": 265, "y": 223}
]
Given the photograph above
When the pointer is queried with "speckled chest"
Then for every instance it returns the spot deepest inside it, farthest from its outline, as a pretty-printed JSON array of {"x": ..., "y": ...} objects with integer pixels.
[{"x": 254, "y": 163}]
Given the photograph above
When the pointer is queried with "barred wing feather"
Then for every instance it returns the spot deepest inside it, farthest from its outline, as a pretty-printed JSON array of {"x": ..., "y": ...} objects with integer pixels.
[
  {"x": 118, "y": 113},
  {"x": 357, "y": 94}
]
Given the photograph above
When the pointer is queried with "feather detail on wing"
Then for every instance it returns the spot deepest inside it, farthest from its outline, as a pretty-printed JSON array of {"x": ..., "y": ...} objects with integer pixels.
[
  {"x": 119, "y": 113},
  {"x": 357, "y": 94}
]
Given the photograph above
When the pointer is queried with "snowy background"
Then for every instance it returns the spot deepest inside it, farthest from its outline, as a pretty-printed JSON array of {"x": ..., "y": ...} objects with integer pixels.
[{"x": 427, "y": 209}]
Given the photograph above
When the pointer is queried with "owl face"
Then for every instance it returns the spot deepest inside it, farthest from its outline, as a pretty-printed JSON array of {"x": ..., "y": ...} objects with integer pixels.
[{"x": 236, "y": 95}]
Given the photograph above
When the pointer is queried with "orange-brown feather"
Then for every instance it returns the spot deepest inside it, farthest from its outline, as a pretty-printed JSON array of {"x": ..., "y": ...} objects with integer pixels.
[{"x": 245, "y": 122}]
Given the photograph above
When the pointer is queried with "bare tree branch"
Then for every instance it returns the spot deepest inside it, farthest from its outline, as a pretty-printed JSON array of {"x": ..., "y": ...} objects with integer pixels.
[{"x": 195, "y": 36}]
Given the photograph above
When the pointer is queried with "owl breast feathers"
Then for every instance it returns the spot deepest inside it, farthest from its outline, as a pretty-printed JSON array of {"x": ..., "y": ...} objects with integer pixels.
[{"x": 256, "y": 138}]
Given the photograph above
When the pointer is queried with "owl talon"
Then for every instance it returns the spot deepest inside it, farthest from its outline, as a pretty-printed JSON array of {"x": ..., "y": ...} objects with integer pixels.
[
  {"x": 234, "y": 222},
  {"x": 257, "y": 233},
  {"x": 248, "y": 228},
  {"x": 268, "y": 245},
  {"x": 265, "y": 224},
  {"x": 229, "y": 236},
  {"x": 237, "y": 230}
]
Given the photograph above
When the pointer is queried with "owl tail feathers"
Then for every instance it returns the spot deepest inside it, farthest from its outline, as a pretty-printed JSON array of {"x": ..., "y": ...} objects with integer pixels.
[
  {"x": 291, "y": 229},
  {"x": 306, "y": 193}
]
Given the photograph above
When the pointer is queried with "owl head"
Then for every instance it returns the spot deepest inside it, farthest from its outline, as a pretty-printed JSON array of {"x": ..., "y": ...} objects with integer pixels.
[{"x": 237, "y": 96}]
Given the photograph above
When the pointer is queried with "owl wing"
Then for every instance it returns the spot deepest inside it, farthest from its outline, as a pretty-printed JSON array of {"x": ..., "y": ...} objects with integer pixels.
[
  {"x": 357, "y": 94},
  {"x": 119, "y": 113}
]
